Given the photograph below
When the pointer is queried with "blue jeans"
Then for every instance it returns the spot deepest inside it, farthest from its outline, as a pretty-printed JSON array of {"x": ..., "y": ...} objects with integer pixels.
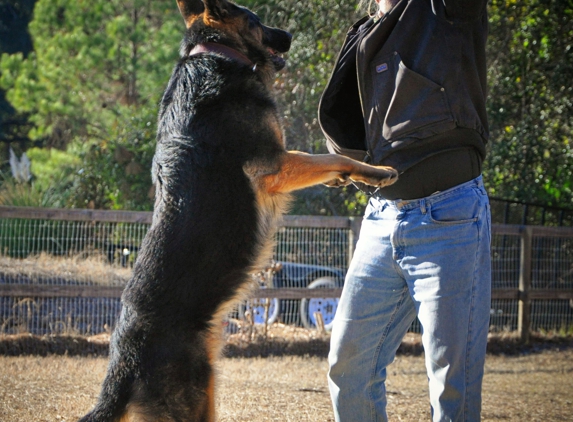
[{"x": 429, "y": 258}]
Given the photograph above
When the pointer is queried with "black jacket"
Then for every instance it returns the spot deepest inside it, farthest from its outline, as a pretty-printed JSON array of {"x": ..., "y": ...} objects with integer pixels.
[{"x": 410, "y": 85}]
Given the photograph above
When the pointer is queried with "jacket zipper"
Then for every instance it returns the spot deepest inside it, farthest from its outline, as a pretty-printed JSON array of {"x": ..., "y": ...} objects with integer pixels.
[{"x": 368, "y": 157}]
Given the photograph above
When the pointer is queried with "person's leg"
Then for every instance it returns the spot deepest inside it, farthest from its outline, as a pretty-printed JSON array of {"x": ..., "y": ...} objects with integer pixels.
[
  {"x": 373, "y": 314},
  {"x": 446, "y": 261}
]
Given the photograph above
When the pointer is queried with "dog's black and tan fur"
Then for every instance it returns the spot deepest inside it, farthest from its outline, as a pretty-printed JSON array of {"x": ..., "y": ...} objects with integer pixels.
[{"x": 222, "y": 179}]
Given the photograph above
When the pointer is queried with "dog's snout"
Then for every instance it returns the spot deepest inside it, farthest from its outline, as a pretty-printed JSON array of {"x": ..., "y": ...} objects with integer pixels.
[
  {"x": 277, "y": 39},
  {"x": 287, "y": 42}
]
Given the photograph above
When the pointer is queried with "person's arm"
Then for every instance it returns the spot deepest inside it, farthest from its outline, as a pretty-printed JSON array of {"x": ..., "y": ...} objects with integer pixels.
[{"x": 465, "y": 9}]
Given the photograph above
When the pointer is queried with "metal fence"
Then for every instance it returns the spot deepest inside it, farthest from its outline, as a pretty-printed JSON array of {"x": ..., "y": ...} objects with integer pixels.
[
  {"x": 504, "y": 211},
  {"x": 62, "y": 271}
]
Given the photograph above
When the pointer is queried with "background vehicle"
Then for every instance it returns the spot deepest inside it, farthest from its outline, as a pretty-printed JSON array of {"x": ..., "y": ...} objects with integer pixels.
[{"x": 299, "y": 312}]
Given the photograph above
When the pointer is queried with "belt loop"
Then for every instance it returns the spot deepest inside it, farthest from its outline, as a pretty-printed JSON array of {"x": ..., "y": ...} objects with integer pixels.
[{"x": 423, "y": 205}]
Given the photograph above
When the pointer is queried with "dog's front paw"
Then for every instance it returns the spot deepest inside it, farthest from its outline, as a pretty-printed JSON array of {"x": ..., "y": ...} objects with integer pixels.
[{"x": 379, "y": 176}]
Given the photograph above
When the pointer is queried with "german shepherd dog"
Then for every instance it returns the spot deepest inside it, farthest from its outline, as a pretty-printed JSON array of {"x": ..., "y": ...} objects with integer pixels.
[{"x": 222, "y": 178}]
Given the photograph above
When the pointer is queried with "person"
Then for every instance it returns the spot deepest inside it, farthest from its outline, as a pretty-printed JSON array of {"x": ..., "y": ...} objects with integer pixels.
[{"x": 408, "y": 90}]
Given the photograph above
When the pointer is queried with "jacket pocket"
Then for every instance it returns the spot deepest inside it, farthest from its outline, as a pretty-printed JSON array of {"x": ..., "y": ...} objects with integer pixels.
[{"x": 406, "y": 103}]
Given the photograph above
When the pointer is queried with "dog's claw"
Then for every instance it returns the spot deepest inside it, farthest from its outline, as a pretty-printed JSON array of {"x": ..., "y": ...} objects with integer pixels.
[
  {"x": 379, "y": 177},
  {"x": 391, "y": 179}
]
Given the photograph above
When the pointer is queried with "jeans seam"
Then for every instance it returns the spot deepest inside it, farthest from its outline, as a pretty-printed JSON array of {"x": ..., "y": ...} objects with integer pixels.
[
  {"x": 470, "y": 319},
  {"x": 379, "y": 348}
]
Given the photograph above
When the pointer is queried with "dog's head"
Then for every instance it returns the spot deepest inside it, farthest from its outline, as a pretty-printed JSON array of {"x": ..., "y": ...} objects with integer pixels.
[{"x": 221, "y": 21}]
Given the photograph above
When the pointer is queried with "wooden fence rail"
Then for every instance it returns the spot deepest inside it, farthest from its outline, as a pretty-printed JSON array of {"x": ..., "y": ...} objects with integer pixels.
[
  {"x": 110, "y": 216},
  {"x": 51, "y": 290}
]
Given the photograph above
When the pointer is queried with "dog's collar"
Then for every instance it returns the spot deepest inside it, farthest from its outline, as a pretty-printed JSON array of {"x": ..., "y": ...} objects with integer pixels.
[{"x": 212, "y": 47}]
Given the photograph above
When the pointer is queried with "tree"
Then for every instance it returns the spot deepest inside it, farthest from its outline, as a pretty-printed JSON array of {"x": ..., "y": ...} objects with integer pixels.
[
  {"x": 531, "y": 101},
  {"x": 92, "y": 86},
  {"x": 530, "y": 104},
  {"x": 14, "y": 37}
]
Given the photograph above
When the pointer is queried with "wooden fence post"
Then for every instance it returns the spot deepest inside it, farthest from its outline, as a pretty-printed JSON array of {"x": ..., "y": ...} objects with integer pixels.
[{"x": 525, "y": 265}]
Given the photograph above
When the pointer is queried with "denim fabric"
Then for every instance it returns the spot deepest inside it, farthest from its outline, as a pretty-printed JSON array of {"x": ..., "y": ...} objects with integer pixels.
[{"x": 428, "y": 257}]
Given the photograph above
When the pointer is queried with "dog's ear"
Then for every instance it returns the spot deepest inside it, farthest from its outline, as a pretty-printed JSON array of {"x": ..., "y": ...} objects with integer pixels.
[
  {"x": 190, "y": 9},
  {"x": 216, "y": 9}
]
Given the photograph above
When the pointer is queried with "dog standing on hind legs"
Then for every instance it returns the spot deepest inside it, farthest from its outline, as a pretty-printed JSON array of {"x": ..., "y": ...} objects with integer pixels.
[{"x": 222, "y": 178}]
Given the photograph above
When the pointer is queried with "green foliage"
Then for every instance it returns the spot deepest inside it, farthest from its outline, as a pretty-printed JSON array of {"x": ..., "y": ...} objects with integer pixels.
[
  {"x": 92, "y": 86},
  {"x": 531, "y": 101},
  {"x": 48, "y": 165},
  {"x": 116, "y": 173},
  {"x": 31, "y": 194},
  {"x": 52, "y": 182}
]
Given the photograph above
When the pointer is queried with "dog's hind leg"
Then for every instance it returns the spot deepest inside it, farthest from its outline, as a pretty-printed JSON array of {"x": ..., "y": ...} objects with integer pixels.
[
  {"x": 210, "y": 405},
  {"x": 213, "y": 344}
]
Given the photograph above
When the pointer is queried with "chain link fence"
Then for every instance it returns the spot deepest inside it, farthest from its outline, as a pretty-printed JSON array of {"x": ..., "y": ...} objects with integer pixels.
[{"x": 62, "y": 271}]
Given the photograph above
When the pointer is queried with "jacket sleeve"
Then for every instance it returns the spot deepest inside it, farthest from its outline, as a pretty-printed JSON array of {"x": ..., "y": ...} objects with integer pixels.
[{"x": 465, "y": 9}]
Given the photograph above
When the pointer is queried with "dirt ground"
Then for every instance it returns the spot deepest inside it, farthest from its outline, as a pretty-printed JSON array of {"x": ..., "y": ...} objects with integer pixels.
[{"x": 536, "y": 386}]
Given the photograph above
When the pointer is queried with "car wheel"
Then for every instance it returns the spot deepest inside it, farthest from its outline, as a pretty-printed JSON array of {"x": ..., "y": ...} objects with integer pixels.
[
  {"x": 257, "y": 307},
  {"x": 326, "y": 306}
]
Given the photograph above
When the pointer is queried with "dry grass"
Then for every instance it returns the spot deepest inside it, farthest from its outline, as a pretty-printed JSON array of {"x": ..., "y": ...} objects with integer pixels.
[
  {"x": 45, "y": 266},
  {"x": 531, "y": 387},
  {"x": 534, "y": 387}
]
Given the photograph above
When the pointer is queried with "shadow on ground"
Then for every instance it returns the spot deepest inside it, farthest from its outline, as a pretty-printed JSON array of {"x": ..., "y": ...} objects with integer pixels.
[{"x": 279, "y": 340}]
